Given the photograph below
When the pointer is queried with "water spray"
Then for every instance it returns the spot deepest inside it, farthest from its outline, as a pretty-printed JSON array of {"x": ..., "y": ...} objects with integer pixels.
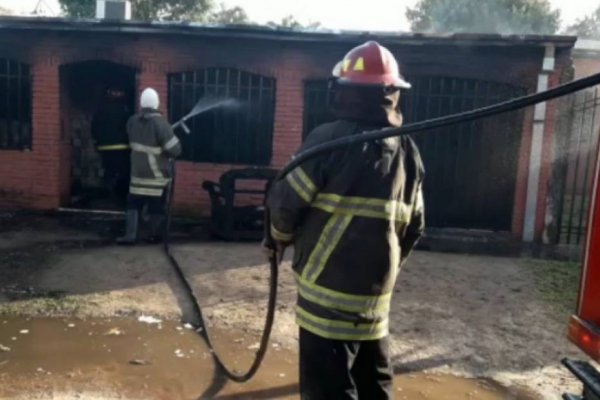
[{"x": 204, "y": 105}]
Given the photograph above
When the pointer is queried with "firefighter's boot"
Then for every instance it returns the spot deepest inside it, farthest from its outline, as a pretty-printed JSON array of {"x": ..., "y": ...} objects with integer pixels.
[
  {"x": 157, "y": 226},
  {"x": 131, "y": 230}
]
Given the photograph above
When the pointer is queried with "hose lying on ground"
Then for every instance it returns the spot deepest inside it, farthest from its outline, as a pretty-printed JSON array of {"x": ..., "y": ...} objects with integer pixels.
[
  {"x": 202, "y": 329},
  {"x": 510, "y": 105}
]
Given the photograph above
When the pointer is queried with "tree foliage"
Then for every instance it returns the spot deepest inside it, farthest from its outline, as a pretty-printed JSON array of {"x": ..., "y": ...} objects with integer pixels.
[
  {"x": 229, "y": 16},
  {"x": 78, "y": 8},
  {"x": 484, "y": 16},
  {"x": 588, "y": 27},
  {"x": 146, "y": 10},
  {"x": 182, "y": 10},
  {"x": 290, "y": 22}
]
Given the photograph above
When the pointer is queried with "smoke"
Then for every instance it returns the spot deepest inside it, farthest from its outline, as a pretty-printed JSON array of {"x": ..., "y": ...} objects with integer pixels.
[{"x": 485, "y": 16}]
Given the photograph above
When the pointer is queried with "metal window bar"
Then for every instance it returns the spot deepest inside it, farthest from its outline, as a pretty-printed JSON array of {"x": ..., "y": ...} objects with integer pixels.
[
  {"x": 579, "y": 119},
  {"x": 451, "y": 158},
  {"x": 15, "y": 105},
  {"x": 241, "y": 135},
  {"x": 467, "y": 148},
  {"x": 316, "y": 108}
]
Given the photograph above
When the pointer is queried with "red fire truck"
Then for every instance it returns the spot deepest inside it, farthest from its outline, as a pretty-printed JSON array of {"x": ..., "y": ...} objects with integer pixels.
[{"x": 584, "y": 327}]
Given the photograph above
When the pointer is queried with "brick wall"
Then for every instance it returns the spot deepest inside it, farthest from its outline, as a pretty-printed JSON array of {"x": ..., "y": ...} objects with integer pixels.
[
  {"x": 32, "y": 178},
  {"x": 586, "y": 66},
  {"x": 41, "y": 178}
]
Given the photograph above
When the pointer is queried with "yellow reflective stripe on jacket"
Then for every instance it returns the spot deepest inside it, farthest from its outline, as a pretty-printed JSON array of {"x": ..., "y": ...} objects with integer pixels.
[
  {"x": 145, "y": 191},
  {"x": 362, "y": 304},
  {"x": 154, "y": 166},
  {"x": 111, "y": 147},
  {"x": 160, "y": 182},
  {"x": 142, "y": 148},
  {"x": 391, "y": 210},
  {"x": 341, "y": 330},
  {"x": 329, "y": 239},
  {"x": 281, "y": 236},
  {"x": 171, "y": 143},
  {"x": 302, "y": 184}
]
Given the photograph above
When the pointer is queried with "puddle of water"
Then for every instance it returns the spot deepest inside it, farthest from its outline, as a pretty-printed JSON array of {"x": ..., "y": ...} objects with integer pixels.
[{"x": 168, "y": 361}]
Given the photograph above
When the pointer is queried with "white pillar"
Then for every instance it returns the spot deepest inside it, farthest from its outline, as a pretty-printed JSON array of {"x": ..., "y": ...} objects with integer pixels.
[{"x": 536, "y": 154}]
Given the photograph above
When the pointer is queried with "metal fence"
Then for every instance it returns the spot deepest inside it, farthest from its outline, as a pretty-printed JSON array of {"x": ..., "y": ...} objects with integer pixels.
[{"x": 578, "y": 123}]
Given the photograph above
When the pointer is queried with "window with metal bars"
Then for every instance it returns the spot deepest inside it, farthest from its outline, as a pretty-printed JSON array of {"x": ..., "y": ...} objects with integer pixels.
[
  {"x": 240, "y": 134},
  {"x": 316, "y": 108},
  {"x": 15, "y": 105}
]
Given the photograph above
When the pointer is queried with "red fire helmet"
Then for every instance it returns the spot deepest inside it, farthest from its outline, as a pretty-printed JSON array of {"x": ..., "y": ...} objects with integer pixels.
[{"x": 370, "y": 64}]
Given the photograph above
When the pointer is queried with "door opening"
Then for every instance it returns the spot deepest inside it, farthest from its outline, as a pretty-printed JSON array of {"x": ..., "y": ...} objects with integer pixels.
[{"x": 98, "y": 97}]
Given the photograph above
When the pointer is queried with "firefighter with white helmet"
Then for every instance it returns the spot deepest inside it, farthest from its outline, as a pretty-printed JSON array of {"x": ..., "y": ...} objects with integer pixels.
[
  {"x": 353, "y": 216},
  {"x": 152, "y": 144}
]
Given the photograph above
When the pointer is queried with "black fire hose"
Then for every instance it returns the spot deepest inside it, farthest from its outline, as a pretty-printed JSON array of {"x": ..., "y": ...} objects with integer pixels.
[
  {"x": 275, "y": 259},
  {"x": 202, "y": 328}
]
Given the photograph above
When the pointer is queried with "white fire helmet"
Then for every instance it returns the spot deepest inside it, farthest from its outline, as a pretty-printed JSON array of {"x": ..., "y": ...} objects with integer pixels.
[{"x": 150, "y": 99}]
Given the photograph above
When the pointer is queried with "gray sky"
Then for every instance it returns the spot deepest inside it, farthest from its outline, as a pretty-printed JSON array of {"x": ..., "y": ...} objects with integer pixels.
[{"x": 336, "y": 14}]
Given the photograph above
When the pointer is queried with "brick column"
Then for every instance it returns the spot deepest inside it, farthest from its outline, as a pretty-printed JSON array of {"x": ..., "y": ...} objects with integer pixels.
[
  {"x": 47, "y": 155},
  {"x": 289, "y": 108}
]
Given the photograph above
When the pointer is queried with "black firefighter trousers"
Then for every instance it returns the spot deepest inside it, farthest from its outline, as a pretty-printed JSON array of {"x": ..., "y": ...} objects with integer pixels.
[{"x": 344, "y": 370}]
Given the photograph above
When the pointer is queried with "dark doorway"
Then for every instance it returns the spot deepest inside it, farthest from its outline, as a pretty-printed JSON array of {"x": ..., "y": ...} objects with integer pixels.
[{"x": 97, "y": 98}]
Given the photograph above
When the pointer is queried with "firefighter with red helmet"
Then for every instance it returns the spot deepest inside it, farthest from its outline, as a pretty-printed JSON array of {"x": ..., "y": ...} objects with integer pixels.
[{"x": 353, "y": 217}]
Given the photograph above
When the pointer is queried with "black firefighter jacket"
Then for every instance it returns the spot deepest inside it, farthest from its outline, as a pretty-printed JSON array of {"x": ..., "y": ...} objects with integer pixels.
[{"x": 353, "y": 216}]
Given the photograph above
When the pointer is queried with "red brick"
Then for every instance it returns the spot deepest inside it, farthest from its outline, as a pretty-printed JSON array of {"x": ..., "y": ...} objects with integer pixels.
[{"x": 44, "y": 173}]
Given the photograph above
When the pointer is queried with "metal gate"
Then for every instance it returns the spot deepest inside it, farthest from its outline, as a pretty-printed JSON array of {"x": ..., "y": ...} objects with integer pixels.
[
  {"x": 471, "y": 168},
  {"x": 578, "y": 123}
]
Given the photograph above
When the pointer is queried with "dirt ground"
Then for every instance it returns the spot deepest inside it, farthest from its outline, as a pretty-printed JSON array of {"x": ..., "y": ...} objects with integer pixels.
[{"x": 454, "y": 314}]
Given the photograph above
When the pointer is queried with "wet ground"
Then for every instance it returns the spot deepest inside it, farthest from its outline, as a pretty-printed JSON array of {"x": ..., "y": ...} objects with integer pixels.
[
  {"x": 452, "y": 315},
  {"x": 126, "y": 358}
]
